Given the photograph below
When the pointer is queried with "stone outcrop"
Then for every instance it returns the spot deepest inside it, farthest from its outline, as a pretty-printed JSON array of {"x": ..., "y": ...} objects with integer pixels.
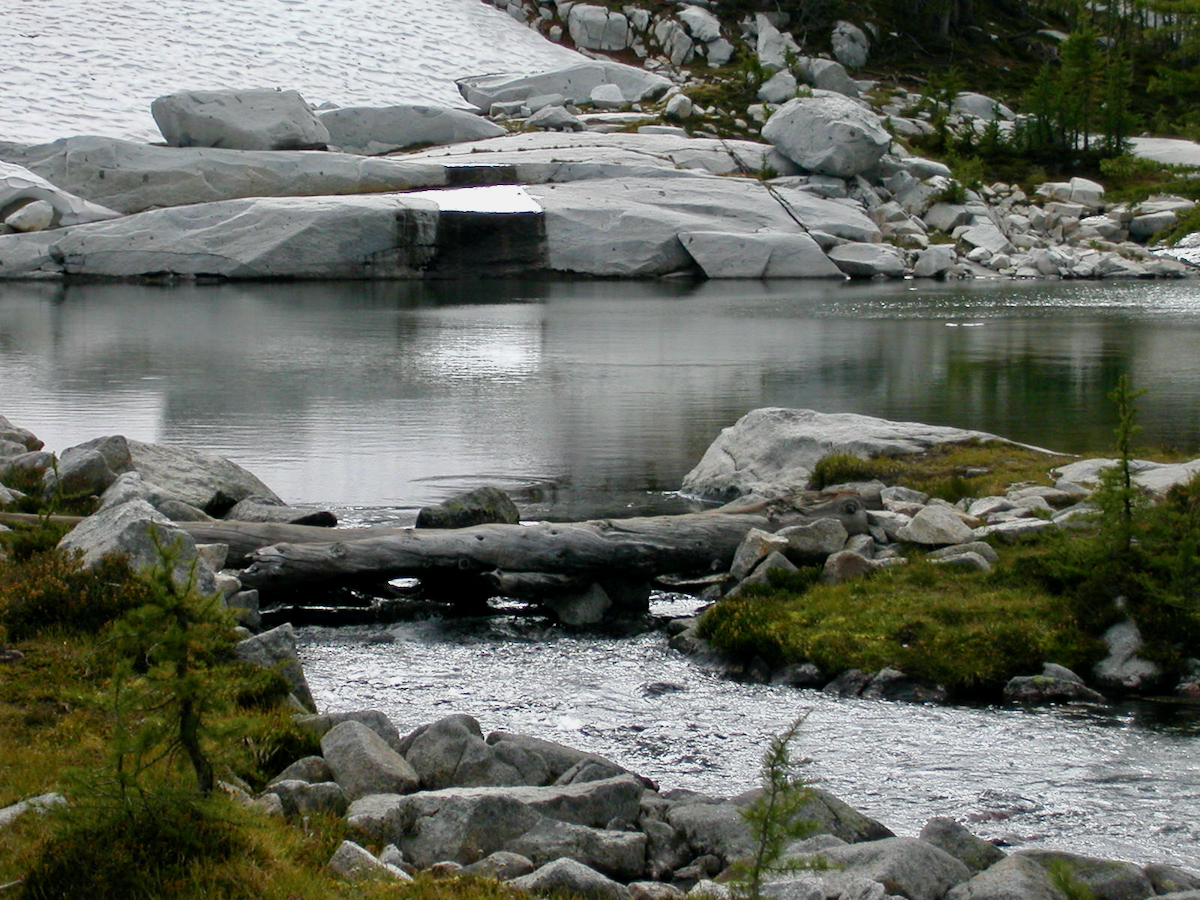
[
  {"x": 21, "y": 188},
  {"x": 239, "y": 120},
  {"x": 772, "y": 451},
  {"x": 575, "y": 83},
  {"x": 828, "y": 134},
  {"x": 376, "y": 130}
]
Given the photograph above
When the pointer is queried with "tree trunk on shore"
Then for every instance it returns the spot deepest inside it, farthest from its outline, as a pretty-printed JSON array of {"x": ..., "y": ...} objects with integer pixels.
[{"x": 604, "y": 548}]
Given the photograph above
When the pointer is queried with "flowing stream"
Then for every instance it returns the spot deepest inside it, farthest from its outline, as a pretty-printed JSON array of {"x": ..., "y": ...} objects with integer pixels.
[{"x": 594, "y": 398}]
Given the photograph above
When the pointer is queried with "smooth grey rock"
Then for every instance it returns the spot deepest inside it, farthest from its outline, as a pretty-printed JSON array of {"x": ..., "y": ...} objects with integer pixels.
[
  {"x": 1172, "y": 879},
  {"x": 132, "y": 486},
  {"x": 276, "y": 649},
  {"x": 239, "y": 120},
  {"x": 676, "y": 44},
  {"x": 451, "y": 752},
  {"x": 892, "y": 684},
  {"x": 302, "y": 798},
  {"x": 131, "y": 177},
  {"x": 756, "y": 546},
  {"x": 617, "y": 854},
  {"x": 654, "y": 890},
  {"x": 1158, "y": 478},
  {"x": 355, "y": 863},
  {"x": 41, "y": 804},
  {"x": 1123, "y": 669},
  {"x": 268, "y": 509},
  {"x": 480, "y": 506},
  {"x": 821, "y": 215},
  {"x": 774, "y": 49},
  {"x": 935, "y": 261},
  {"x": 466, "y": 824},
  {"x": 596, "y": 28},
  {"x": 774, "y": 562},
  {"x": 319, "y": 725},
  {"x": 850, "y": 45},
  {"x": 312, "y": 769},
  {"x": 1012, "y": 878},
  {"x": 935, "y": 526},
  {"x": 813, "y": 541},
  {"x": 501, "y": 865},
  {"x": 1049, "y": 688},
  {"x": 973, "y": 852},
  {"x": 375, "y": 130},
  {"x": 557, "y": 758},
  {"x": 828, "y": 134},
  {"x": 779, "y": 88},
  {"x": 139, "y": 532},
  {"x": 771, "y": 451},
  {"x": 981, "y": 107},
  {"x": 827, "y": 75},
  {"x": 1106, "y": 879},
  {"x": 868, "y": 260},
  {"x": 722, "y": 254},
  {"x": 298, "y": 237},
  {"x": 969, "y": 561},
  {"x": 35, "y": 215},
  {"x": 905, "y": 866},
  {"x": 21, "y": 188},
  {"x": 701, "y": 24},
  {"x": 14, "y": 434},
  {"x": 555, "y": 118},
  {"x": 570, "y": 877},
  {"x": 573, "y": 82},
  {"x": 362, "y": 762}
]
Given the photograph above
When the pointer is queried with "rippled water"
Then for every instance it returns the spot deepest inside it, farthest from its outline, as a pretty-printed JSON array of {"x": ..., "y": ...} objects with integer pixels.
[
  {"x": 81, "y": 67},
  {"x": 1123, "y": 784}
]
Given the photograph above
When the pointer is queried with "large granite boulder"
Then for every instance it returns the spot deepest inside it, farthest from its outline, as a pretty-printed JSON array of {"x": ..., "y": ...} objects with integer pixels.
[
  {"x": 145, "y": 537},
  {"x": 570, "y": 878},
  {"x": 597, "y": 28},
  {"x": 859, "y": 260},
  {"x": 773, "y": 450},
  {"x": 722, "y": 254},
  {"x": 451, "y": 752},
  {"x": 239, "y": 120},
  {"x": 973, "y": 852},
  {"x": 467, "y": 824},
  {"x": 19, "y": 187},
  {"x": 850, "y": 45},
  {"x": 617, "y": 854},
  {"x": 828, "y": 134},
  {"x": 1104, "y": 879},
  {"x": 276, "y": 649},
  {"x": 362, "y": 762},
  {"x": 131, "y": 177},
  {"x": 374, "y": 130},
  {"x": 575, "y": 83},
  {"x": 21, "y": 437},
  {"x": 906, "y": 867},
  {"x": 204, "y": 480}
]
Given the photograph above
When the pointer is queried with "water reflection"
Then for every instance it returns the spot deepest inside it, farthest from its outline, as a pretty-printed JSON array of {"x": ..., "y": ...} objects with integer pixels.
[{"x": 601, "y": 393}]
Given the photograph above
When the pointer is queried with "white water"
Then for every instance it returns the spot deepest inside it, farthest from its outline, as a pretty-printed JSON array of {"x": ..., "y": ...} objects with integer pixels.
[{"x": 81, "y": 67}]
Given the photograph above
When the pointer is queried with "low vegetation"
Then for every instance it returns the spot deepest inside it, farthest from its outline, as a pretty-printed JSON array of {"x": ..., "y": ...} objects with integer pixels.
[{"x": 1050, "y": 598}]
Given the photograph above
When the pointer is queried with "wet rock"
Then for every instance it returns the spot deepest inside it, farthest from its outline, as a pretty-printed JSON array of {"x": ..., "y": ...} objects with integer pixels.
[
  {"x": 848, "y": 684},
  {"x": 892, "y": 684},
  {"x": 268, "y": 509},
  {"x": 239, "y": 120}
]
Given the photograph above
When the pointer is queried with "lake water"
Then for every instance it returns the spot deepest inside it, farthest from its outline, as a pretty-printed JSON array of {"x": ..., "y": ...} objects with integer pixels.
[
  {"x": 595, "y": 397},
  {"x": 584, "y": 397}
]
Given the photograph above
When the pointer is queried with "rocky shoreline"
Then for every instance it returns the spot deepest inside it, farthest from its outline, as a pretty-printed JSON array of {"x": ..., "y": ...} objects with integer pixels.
[
  {"x": 601, "y": 169},
  {"x": 539, "y": 815}
]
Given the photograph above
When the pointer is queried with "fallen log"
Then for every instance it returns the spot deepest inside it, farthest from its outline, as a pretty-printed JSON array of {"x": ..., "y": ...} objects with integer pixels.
[{"x": 604, "y": 548}]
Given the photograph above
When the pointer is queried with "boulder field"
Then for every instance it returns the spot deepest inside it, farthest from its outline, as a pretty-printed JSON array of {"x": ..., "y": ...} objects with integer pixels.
[{"x": 590, "y": 170}]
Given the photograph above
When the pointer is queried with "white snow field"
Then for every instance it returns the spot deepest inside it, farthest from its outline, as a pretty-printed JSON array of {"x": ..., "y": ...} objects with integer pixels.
[{"x": 85, "y": 67}]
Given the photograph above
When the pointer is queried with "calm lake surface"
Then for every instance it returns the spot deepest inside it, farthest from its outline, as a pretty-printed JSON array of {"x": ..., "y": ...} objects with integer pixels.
[
  {"x": 584, "y": 396},
  {"x": 591, "y": 398}
]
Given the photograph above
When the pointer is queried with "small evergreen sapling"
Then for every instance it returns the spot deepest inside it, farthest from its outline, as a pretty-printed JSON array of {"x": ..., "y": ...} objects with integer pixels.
[{"x": 772, "y": 817}]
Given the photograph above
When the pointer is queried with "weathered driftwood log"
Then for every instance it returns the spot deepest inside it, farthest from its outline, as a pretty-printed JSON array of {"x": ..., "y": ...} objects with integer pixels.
[{"x": 627, "y": 548}]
